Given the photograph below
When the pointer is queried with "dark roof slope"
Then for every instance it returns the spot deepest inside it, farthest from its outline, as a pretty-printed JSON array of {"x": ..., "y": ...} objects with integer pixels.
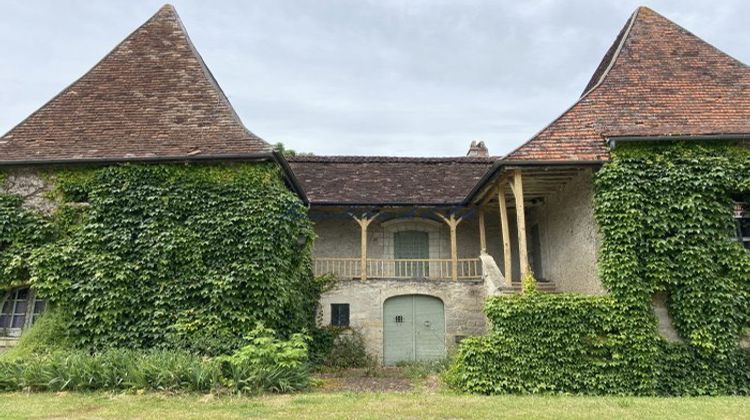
[
  {"x": 151, "y": 97},
  {"x": 374, "y": 180},
  {"x": 658, "y": 79}
]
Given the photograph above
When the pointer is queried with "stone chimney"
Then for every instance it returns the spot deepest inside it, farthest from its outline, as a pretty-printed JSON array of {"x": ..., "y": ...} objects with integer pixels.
[{"x": 478, "y": 149}]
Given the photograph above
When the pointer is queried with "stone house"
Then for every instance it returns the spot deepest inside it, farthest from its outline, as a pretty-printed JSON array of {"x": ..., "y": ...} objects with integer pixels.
[
  {"x": 150, "y": 100},
  {"x": 416, "y": 244}
]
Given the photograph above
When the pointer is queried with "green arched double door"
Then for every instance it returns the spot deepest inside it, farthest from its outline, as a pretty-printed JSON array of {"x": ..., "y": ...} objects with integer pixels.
[{"x": 413, "y": 329}]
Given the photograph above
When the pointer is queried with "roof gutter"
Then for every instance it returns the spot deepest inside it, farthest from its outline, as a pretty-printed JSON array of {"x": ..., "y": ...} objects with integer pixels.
[
  {"x": 290, "y": 177},
  {"x": 502, "y": 165},
  {"x": 612, "y": 141},
  {"x": 273, "y": 156}
]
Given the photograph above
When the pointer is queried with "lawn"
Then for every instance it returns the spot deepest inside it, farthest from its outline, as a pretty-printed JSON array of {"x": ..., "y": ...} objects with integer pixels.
[{"x": 419, "y": 403}]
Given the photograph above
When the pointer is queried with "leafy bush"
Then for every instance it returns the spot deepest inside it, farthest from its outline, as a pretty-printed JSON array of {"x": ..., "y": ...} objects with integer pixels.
[
  {"x": 563, "y": 343},
  {"x": 267, "y": 364},
  {"x": 47, "y": 335},
  {"x": 349, "y": 351},
  {"x": 187, "y": 257},
  {"x": 340, "y": 348}
]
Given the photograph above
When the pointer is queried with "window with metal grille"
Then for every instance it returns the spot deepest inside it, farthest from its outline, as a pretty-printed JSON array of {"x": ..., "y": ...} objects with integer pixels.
[
  {"x": 19, "y": 309},
  {"x": 340, "y": 314}
]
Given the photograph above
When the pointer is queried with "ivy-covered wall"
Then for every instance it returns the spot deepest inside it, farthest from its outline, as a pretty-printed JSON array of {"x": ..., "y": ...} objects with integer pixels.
[
  {"x": 666, "y": 216},
  {"x": 665, "y": 212},
  {"x": 144, "y": 256}
]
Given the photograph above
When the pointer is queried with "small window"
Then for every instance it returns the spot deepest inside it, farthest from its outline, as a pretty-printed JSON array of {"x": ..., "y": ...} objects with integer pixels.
[
  {"x": 19, "y": 310},
  {"x": 742, "y": 219},
  {"x": 340, "y": 314}
]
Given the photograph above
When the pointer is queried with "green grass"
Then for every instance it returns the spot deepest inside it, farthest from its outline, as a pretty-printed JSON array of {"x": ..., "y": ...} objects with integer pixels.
[{"x": 364, "y": 405}]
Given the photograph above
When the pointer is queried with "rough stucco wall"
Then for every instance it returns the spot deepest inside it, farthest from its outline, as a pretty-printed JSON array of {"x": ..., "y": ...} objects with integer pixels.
[
  {"x": 30, "y": 184},
  {"x": 569, "y": 237},
  {"x": 463, "y": 302}
]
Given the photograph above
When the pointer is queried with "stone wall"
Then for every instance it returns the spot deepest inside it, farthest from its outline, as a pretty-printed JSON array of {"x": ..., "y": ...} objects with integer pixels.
[
  {"x": 6, "y": 343},
  {"x": 32, "y": 185},
  {"x": 569, "y": 237},
  {"x": 463, "y": 302}
]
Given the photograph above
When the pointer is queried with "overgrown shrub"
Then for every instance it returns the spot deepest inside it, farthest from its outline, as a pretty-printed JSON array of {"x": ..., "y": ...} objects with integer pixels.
[
  {"x": 170, "y": 256},
  {"x": 340, "y": 348},
  {"x": 562, "y": 343},
  {"x": 267, "y": 364},
  {"x": 46, "y": 336}
]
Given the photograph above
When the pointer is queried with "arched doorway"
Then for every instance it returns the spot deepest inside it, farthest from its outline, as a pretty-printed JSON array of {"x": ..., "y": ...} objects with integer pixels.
[{"x": 413, "y": 329}]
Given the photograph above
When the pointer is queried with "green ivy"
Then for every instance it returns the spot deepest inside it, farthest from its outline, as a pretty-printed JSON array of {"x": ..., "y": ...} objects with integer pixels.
[
  {"x": 666, "y": 218},
  {"x": 665, "y": 213},
  {"x": 543, "y": 343},
  {"x": 21, "y": 230},
  {"x": 176, "y": 256}
]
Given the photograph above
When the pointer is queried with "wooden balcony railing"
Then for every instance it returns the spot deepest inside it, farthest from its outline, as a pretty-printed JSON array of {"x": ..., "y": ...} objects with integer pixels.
[{"x": 428, "y": 269}]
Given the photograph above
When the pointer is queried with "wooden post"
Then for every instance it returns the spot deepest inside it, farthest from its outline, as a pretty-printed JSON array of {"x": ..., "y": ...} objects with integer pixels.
[
  {"x": 523, "y": 256},
  {"x": 452, "y": 223},
  {"x": 505, "y": 229},
  {"x": 482, "y": 237},
  {"x": 363, "y": 222}
]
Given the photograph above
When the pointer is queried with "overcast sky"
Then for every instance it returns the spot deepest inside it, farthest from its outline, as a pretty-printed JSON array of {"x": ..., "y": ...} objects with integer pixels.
[{"x": 378, "y": 77}]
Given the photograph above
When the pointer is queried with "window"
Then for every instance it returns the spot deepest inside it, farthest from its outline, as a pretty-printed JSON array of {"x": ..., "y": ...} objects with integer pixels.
[
  {"x": 340, "y": 314},
  {"x": 19, "y": 310},
  {"x": 412, "y": 247},
  {"x": 742, "y": 219}
]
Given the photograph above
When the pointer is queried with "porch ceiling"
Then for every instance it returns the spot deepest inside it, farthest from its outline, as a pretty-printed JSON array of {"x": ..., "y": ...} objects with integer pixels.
[{"x": 538, "y": 184}]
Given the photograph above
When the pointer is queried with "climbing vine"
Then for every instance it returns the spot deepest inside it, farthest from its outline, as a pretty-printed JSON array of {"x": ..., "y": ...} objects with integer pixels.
[
  {"x": 21, "y": 230},
  {"x": 170, "y": 256},
  {"x": 666, "y": 218},
  {"x": 665, "y": 213}
]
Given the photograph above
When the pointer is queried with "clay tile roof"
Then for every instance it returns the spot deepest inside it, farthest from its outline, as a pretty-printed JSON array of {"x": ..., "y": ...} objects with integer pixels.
[
  {"x": 376, "y": 180},
  {"x": 151, "y": 97},
  {"x": 657, "y": 79}
]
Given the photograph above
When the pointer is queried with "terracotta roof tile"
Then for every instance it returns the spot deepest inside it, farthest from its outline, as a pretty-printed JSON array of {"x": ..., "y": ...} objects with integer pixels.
[
  {"x": 657, "y": 79},
  {"x": 152, "y": 96},
  {"x": 388, "y": 180}
]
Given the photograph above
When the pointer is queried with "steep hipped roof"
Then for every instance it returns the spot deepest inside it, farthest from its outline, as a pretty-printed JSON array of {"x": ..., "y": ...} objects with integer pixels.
[
  {"x": 151, "y": 97},
  {"x": 657, "y": 79},
  {"x": 375, "y": 180}
]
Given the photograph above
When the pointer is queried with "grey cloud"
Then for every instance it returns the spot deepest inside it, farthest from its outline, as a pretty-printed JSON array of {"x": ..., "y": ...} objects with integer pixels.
[{"x": 360, "y": 77}]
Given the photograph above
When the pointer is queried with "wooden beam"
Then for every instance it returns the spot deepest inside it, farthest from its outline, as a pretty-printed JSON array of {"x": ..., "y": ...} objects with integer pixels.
[
  {"x": 523, "y": 256},
  {"x": 482, "y": 237},
  {"x": 363, "y": 222},
  {"x": 452, "y": 223},
  {"x": 505, "y": 229}
]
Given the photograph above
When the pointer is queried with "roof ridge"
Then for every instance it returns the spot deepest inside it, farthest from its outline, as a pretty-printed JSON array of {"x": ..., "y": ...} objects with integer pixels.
[
  {"x": 389, "y": 159},
  {"x": 616, "y": 54}
]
